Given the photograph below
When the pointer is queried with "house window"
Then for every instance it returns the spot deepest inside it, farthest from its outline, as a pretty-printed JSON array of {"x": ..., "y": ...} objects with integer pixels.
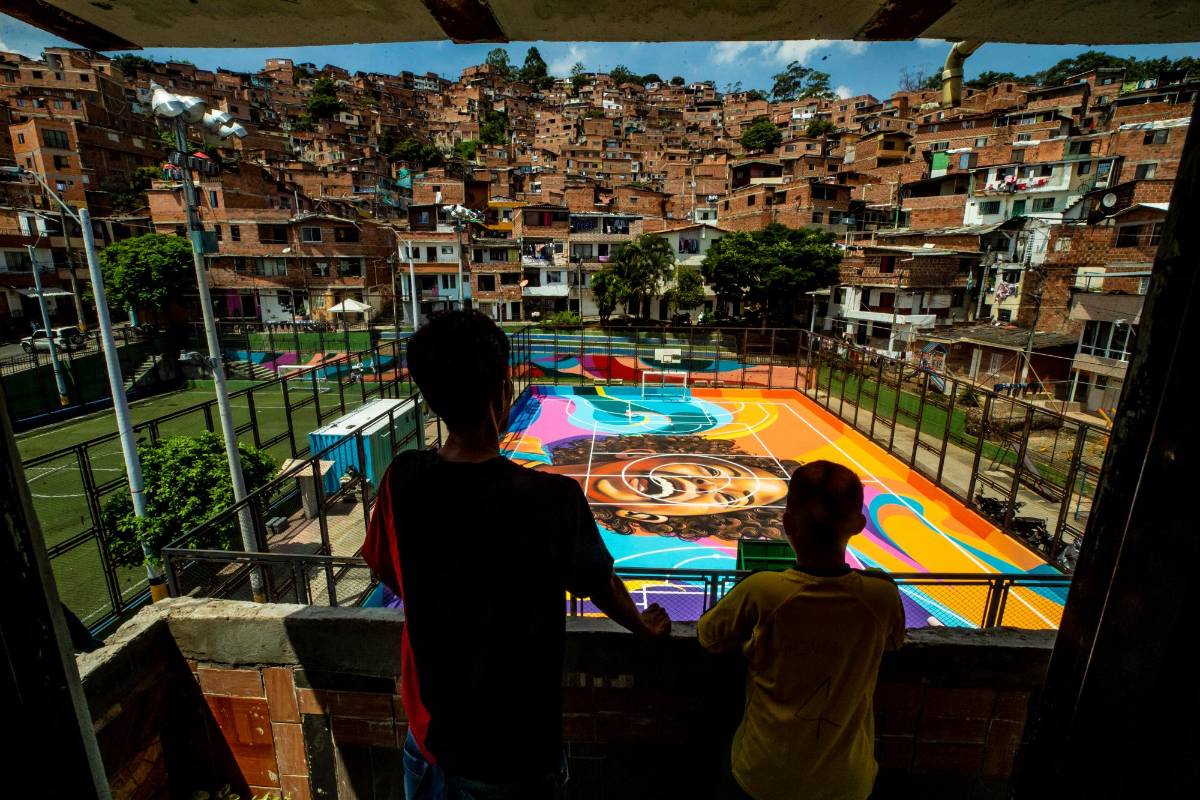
[
  {"x": 935, "y": 146},
  {"x": 1129, "y": 235},
  {"x": 350, "y": 268},
  {"x": 447, "y": 249},
  {"x": 1155, "y": 233},
  {"x": 1156, "y": 137},
  {"x": 1018, "y": 155},
  {"x": 487, "y": 283},
  {"x": 964, "y": 161},
  {"x": 989, "y": 207},
  {"x": 1024, "y": 137},
  {"x": 1043, "y": 204},
  {"x": 217, "y": 230},
  {"x": 750, "y": 200},
  {"x": 20, "y": 138},
  {"x": 345, "y": 234},
  {"x": 1045, "y": 171},
  {"x": 1079, "y": 148},
  {"x": 310, "y": 235},
  {"x": 1113, "y": 340},
  {"x": 212, "y": 198},
  {"x": 818, "y": 217},
  {"x": 1004, "y": 315},
  {"x": 887, "y": 265},
  {"x": 1084, "y": 168},
  {"x": 180, "y": 230},
  {"x": 56, "y": 139},
  {"x": 62, "y": 162},
  {"x": 269, "y": 267},
  {"x": 235, "y": 233},
  {"x": 1144, "y": 172}
]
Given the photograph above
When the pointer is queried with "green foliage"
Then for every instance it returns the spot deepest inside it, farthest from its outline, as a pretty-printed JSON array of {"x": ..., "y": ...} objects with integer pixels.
[
  {"x": 304, "y": 122},
  {"x": 818, "y": 128},
  {"x": 579, "y": 76},
  {"x": 130, "y": 64},
  {"x": 323, "y": 103},
  {"x": 622, "y": 74},
  {"x": 678, "y": 80},
  {"x": 969, "y": 398},
  {"x": 498, "y": 60},
  {"x": 130, "y": 195},
  {"x": 147, "y": 271},
  {"x": 607, "y": 291},
  {"x": 534, "y": 71},
  {"x": 798, "y": 82},
  {"x": 186, "y": 482},
  {"x": 1136, "y": 69},
  {"x": 756, "y": 94},
  {"x": 761, "y": 134},
  {"x": 466, "y": 149},
  {"x": 653, "y": 77},
  {"x": 562, "y": 319},
  {"x": 985, "y": 79},
  {"x": 416, "y": 153},
  {"x": 593, "y": 113},
  {"x": 771, "y": 268},
  {"x": 493, "y": 127},
  {"x": 687, "y": 292},
  {"x": 643, "y": 266}
]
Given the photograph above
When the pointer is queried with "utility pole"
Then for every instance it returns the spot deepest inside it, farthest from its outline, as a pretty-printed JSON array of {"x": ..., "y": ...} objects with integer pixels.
[
  {"x": 62, "y": 217},
  {"x": 59, "y": 379},
  {"x": 1027, "y": 367}
]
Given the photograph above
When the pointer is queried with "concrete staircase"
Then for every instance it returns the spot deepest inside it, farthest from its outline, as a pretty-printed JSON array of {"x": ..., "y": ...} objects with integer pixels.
[
  {"x": 248, "y": 369},
  {"x": 141, "y": 371}
]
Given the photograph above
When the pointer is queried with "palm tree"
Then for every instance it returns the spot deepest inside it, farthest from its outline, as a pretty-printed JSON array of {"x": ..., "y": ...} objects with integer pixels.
[{"x": 645, "y": 265}]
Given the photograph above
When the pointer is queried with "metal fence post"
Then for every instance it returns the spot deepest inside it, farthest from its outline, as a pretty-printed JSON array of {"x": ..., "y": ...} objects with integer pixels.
[
  {"x": 1069, "y": 486},
  {"x": 1018, "y": 469},
  {"x": 986, "y": 415},
  {"x": 920, "y": 419},
  {"x": 950, "y": 408}
]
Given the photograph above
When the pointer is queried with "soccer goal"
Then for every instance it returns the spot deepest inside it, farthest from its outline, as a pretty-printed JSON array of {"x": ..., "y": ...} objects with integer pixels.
[
  {"x": 665, "y": 384},
  {"x": 303, "y": 376}
]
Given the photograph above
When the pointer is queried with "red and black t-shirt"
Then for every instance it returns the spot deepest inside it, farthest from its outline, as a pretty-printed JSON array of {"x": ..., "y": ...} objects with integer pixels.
[{"x": 481, "y": 554}]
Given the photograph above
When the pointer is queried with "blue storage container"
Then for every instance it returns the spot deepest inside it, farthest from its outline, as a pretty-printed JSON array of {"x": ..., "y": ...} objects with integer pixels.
[{"x": 377, "y": 431}]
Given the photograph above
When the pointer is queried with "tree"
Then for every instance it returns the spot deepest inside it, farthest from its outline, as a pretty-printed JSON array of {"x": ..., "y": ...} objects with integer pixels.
[
  {"x": 653, "y": 77},
  {"x": 147, "y": 271},
  {"x": 593, "y": 113},
  {"x": 622, "y": 74},
  {"x": 819, "y": 127},
  {"x": 497, "y": 59},
  {"x": 985, "y": 79},
  {"x": 534, "y": 71},
  {"x": 186, "y": 482},
  {"x": 756, "y": 94},
  {"x": 687, "y": 291},
  {"x": 761, "y": 134},
  {"x": 130, "y": 195},
  {"x": 607, "y": 290},
  {"x": 416, "y": 153},
  {"x": 130, "y": 64},
  {"x": 678, "y": 81},
  {"x": 323, "y": 103},
  {"x": 644, "y": 265},
  {"x": 798, "y": 82},
  {"x": 465, "y": 150},
  {"x": 579, "y": 76},
  {"x": 493, "y": 127},
  {"x": 914, "y": 79},
  {"x": 771, "y": 268}
]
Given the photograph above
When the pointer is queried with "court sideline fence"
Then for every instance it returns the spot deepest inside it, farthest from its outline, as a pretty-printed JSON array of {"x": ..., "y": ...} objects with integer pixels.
[{"x": 969, "y": 441}]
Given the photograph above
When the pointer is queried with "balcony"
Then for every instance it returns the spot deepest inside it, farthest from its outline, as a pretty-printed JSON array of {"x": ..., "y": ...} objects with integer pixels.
[{"x": 303, "y": 700}]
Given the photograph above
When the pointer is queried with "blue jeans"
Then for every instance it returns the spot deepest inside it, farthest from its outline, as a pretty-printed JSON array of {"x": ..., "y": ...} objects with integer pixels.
[{"x": 425, "y": 781}]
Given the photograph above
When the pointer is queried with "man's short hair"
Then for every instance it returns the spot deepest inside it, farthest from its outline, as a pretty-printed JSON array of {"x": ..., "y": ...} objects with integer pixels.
[
  {"x": 459, "y": 361},
  {"x": 829, "y": 492}
]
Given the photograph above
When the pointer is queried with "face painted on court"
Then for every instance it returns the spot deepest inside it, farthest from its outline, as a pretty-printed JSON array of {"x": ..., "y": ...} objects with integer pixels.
[{"x": 655, "y": 486}]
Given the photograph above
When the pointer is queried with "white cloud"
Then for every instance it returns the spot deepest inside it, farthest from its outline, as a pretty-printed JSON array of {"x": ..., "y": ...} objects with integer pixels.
[
  {"x": 844, "y": 91},
  {"x": 799, "y": 50},
  {"x": 930, "y": 43},
  {"x": 561, "y": 64},
  {"x": 855, "y": 48},
  {"x": 728, "y": 52}
]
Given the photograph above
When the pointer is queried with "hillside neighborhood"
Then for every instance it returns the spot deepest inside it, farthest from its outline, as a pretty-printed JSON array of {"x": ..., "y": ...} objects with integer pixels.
[{"x": 1000, "y": 230}]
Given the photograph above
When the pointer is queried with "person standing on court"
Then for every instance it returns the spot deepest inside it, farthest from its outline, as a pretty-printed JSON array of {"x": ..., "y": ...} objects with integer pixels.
[
  {"x": 481, "y": 551},
  {"x": 813, "y": 637}
]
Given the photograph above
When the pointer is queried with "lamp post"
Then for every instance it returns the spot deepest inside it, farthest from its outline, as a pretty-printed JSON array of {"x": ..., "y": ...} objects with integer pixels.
[
  {"x": 133, "y": 463},
  {"x": 59, "y": 379},
  {"x": 178, "y": 111},
  {"x": 462, "y": 215}
]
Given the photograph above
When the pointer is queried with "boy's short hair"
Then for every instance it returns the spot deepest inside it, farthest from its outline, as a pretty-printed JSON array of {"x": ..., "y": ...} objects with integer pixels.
[
  {"x": 459, "y": 361},
  {"x": 828, "y": 492}
]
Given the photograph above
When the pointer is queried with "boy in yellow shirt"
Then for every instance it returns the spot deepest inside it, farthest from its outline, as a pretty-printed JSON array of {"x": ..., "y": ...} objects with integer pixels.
[{"x": 813, "y": 636}]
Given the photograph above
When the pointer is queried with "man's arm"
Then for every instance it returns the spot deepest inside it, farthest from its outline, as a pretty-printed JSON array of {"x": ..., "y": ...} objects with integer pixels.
[
  {"x": 379, "y": 549},
  {"x": 614, "y": 600},
  {"x": 730, "y": 622}
]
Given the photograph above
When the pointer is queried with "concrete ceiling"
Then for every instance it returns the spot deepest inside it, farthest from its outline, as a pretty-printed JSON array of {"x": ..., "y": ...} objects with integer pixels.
[{"x": 124, "y": 24}]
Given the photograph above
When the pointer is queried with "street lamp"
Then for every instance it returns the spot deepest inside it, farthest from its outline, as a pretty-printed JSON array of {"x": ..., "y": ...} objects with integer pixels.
[
  {"x": 179, "y": 111},
  {"x": 55, "y": 364},
  {"x": 133, "y": 463},
  {"x": 461, "y": 216}
]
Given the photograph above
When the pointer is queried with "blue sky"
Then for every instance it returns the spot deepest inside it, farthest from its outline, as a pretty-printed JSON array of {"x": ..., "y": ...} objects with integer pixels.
[{"x": 855, "y": 67}]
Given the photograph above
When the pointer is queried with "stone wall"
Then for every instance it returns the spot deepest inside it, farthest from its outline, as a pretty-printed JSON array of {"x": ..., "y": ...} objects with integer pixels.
[{"x": 302, "y": 702}]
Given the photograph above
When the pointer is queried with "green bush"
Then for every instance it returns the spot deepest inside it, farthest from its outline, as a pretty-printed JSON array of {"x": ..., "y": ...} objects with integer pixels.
[
  {"x": 562, "y": 319},
  {"x": 186, "y": 481}
]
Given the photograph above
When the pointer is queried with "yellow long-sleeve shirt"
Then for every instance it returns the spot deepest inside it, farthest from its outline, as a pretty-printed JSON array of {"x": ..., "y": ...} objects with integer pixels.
[{"x": 813, "y": 643}]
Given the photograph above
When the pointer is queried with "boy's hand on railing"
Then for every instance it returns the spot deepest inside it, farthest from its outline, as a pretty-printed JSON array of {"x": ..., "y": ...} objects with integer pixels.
[{"x": 655, "y": 623}]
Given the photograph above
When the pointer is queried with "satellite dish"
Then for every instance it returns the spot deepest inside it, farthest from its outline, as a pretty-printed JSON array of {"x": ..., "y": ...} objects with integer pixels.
[
  {"x": 524, "y": 283},
  {"x": 1109, "y": 200}
]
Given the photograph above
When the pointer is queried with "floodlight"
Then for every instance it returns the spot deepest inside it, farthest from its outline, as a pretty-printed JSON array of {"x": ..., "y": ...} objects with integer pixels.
[
  {"x": 216, "y": 118},
  {"x": 232, "y": 129},
  {"x": 193, "y": 108},
  {"x": 164, "y": 103}
]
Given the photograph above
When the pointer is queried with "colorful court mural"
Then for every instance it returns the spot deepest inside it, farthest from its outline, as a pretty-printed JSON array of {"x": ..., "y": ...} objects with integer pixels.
[{"x": 674, "y": 483}]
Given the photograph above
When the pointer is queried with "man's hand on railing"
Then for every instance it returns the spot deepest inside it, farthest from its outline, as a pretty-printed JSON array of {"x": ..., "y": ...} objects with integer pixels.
[{"x": 655, "y": 623}]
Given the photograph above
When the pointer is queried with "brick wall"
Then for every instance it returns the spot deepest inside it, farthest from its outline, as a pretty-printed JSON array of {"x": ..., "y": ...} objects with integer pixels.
[
  {"x": 942, "y": 211},
  {"x": 193, "y": 694}
]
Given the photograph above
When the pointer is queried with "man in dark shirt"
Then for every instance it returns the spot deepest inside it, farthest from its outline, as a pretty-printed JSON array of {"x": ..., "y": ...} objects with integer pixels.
[{"x": 482, "y": 551}]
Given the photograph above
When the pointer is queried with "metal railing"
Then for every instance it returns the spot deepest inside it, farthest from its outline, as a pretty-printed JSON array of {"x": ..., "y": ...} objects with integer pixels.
[{"x": 685, "y": 593}]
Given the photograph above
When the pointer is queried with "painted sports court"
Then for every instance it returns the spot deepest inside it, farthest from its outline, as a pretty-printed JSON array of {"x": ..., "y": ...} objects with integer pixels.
[{"x": 675, "y": 476}]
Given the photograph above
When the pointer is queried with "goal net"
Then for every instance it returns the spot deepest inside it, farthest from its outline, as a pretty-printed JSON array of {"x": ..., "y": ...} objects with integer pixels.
[
  {"x": 303, "y": 376},
  {"x": 665, "y": 384}
]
